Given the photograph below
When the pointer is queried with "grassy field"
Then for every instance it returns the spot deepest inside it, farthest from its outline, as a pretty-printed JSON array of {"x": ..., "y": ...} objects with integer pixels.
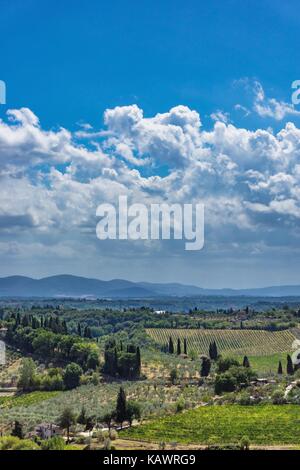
[
  {"x": 225, "y": 424},
  {"x": 266, "y": 365},
  {"x": 26, "y": 399},
  {"x": 237, "y": 342}
]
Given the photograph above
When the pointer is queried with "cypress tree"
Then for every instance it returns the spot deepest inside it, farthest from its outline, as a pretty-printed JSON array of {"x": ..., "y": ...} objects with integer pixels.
[
  {"x": 138, "y": 361},
  {"x": 246, "y": 362},
  {"x": 79, "y": 332},
  {"x": 171, "y": 346},
  {"x": 18, "y": 430},
  {"x": 210, "y": 351},
  {"x": 178, "y": 347},
  {"x": 121, "y": 409},
  {"x": 289, "y": 366},
  {"x": 185, "y": 346},
  {"x": 215, "y": 350},
  {"x": 279, "y": 368},
  {"x": 65, "y": 328},
  {"x": 205, "y": 367}
]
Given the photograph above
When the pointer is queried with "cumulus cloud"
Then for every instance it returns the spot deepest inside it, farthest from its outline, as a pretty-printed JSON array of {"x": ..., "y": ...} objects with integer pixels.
[{"x": 51, "y": 181}]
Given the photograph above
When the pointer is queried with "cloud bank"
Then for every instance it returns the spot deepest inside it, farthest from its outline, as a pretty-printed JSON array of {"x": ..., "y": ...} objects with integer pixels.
[{"x": 51, "y": 182}]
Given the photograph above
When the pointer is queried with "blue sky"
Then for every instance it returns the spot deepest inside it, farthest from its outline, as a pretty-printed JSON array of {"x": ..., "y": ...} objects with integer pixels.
[
  {"x": 71, "y": 63},
  {"x": 232, "y": 63}
]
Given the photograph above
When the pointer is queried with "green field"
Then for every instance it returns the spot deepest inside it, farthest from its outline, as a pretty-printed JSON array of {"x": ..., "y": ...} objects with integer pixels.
[
  {"x": 225, "y": 424},
  {"x": 26, "y": 399},
  {"x": 267, "y": 364},
  {"x": 238, "y": 342}
]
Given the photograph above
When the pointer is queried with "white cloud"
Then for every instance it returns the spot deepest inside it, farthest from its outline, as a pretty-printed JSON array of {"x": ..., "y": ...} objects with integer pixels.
[
  {"x": 221, "y": 116},
  {"x": 51, "y": 183},
  {"x": 270, "y": 107}
]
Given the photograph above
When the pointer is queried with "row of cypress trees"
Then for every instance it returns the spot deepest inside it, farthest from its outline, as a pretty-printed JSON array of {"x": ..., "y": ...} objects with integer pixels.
[{"x": 180, "y": 348}]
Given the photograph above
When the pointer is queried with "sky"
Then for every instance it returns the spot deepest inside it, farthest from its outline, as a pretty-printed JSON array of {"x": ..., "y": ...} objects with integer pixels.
[{"x": 162, "y": 101}]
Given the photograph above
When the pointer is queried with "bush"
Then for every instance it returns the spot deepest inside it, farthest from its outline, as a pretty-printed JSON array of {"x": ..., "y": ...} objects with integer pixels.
[
  {"x": 245, "y": 443},
  {"x": 72, "y": 376},
  {"x": 245, "y": 399},
  {"x": 14, "y": 443},
  {"x": 224, "y": 364},
  {"x": 54, "y": 443},
  {"x": 180, "y": 405},
  {"x": 225, "y": 382},
  {"x": 278, "y": 398}
]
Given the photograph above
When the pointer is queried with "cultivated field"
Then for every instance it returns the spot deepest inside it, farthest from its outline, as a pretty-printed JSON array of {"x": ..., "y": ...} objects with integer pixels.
[
  {"x": 225, "y": 424},
  {"x": 239, "y": 342}
]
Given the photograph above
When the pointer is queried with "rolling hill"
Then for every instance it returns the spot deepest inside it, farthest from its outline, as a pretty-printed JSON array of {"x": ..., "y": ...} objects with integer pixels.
[{"x": 76, "y": 286}]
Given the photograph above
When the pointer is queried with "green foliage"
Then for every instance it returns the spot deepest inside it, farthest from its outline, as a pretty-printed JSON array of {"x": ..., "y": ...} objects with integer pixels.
[
  {"x": 173, "y": 376},
  {"x": 18, "y": 430},
  {"x": 289, "y": 365},
  {"x": 26, "y": 399},
  {"x": 49, "y": 340},
  {"x": 120, "y": 362},
  {"x": 246, "y": 362},
  {"x": 213, "y": 351},
  {"x": 234, "y": 377},
  {"x": 66, "y": 420},
  {"x": 225, "y": 382},
  {"x": 133, "y": 411},
  {"x": 278, "y": 398},
  {"x": 14, "y": 443},
  {"x": 27, "y": 375},
  {"x": 121, "y": 408},
  {"x": 205, "y": 366},
  {"x": 224, "y": 364},
  {"x": 72, "y": 376},
  {"x": 54, "y": 443},
  {"x": 228, "y": 423}
]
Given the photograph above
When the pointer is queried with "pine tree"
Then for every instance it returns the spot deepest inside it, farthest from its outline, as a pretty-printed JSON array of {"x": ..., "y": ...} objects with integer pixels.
[
  {"x": 178, "y": 347},
  {"x": 171, "y": 346},
  {"x": 289, "y": 366},
  {"x": 246, "y": 362},
  {"x": 280, "y": 371},
  {"x": 121, "y": 409},
  {"x": 79, "y": 332}
]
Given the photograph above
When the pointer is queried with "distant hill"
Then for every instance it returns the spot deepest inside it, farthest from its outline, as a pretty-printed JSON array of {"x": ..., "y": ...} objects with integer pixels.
[{"x": 75, "y": 286}]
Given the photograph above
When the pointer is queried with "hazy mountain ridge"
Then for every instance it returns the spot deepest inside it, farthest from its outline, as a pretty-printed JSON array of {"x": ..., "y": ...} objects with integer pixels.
[{"x": 76, "y": 286}]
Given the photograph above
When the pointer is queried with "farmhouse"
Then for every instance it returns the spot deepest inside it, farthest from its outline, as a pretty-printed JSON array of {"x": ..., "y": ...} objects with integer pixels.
[{"x": 46, "y": 431}]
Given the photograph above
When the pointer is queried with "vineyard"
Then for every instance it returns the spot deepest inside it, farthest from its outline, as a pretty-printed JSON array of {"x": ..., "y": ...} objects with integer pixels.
[
  {"x": 239, "y": 342},
  {"x": 263, "y": 424}
]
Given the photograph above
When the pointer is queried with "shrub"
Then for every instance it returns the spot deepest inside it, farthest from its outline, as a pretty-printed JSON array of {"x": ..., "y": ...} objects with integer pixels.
[
  {"x": 225, "y": 382},
  {"x": 278, "y": 398},
  {"x": 224, "y": 364},
  {"x": 14, "y": 443},
  {"x": 54, "y": 443},
  {"x": 72, "y": 376}
]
